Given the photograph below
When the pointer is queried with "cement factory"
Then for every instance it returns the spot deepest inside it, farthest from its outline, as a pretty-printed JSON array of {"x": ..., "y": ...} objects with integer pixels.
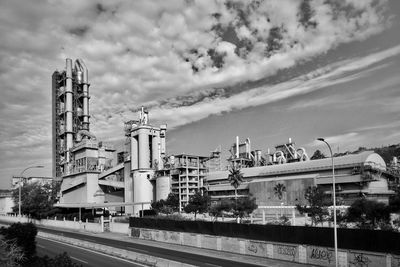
[{"x": 94, "y": 174}]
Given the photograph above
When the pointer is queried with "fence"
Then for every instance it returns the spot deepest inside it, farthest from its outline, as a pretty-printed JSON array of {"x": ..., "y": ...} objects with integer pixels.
[{"x": 360, "y": 239}]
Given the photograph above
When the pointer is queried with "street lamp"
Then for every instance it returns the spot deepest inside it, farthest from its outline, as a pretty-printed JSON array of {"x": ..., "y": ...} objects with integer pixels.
[
  {"x": 19, "y": 187},
  {"x": 334, "y": 201}
]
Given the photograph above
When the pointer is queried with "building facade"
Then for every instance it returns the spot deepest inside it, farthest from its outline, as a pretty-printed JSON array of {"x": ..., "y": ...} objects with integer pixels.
[{"x": 357, "y": 175}]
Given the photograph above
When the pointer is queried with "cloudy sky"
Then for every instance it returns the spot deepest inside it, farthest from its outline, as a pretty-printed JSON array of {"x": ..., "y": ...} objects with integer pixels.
[{"x": 211, "y": 70}]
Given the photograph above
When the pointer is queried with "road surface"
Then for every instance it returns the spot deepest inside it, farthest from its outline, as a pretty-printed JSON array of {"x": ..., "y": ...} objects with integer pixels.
[
  {"x": 179, "y": 256},
  {"x": 79, "y": 255},
  {"x": 162, "y": 252}
]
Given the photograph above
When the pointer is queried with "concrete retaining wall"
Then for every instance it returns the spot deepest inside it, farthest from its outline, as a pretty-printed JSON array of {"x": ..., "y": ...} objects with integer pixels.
[
  {"x": 290, "y": 252},
  {"x": 121, "y": 228},
  {"x": 64, "y": 224}
]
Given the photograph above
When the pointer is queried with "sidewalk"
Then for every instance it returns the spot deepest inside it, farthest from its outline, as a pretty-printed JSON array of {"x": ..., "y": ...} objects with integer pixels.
[{"x": 239, "y": 258}]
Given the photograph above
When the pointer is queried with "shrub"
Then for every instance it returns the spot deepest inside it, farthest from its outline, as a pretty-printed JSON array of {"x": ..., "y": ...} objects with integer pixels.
[
  {"x": 368, "y": 214},
  {"x": 24, "y": 235},
  {"x": 61, "y": 260}
]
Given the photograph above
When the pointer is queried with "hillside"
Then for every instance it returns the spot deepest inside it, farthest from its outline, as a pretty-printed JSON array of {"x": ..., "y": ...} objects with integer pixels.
[{"x": 386, "y": 152}]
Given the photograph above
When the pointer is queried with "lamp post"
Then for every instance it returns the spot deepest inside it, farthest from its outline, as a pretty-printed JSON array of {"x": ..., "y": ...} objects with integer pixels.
[
  {"x": 334, "y": 201},
  {"x": 19, "y": 187}
]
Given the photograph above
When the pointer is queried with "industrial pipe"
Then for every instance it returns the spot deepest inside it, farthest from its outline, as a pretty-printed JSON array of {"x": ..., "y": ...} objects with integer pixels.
[
  {"x": 81, "y": 65},
  {"x": 68, "y": 108}
]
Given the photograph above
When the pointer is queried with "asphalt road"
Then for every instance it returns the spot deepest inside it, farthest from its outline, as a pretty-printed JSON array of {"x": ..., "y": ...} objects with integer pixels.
[
  {"x": 179, "y": 256},
  {"x": 79, "y": 255}
]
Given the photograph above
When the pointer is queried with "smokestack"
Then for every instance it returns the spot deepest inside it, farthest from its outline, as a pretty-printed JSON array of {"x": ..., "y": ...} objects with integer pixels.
[
  {"x": 83, "y": 69},
  {"x": 237, "y": 147},
  {"x": 163, "y": 131}
]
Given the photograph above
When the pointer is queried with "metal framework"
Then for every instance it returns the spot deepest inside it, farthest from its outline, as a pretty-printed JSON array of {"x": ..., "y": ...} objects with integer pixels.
[{"x": 67, "y": 94}]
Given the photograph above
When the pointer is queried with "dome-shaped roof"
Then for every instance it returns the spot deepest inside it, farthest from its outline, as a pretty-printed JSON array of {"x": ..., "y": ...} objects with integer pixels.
[{"x": 365, "y": 158}]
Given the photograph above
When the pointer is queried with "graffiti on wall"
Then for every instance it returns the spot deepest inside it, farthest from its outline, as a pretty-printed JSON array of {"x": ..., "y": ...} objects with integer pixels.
[
  {"x": 321, "y": 254},
  {"x": 252, "y": 248},
  {"x": 360, "y": 260},
  {"x": 287, "y": 251}
]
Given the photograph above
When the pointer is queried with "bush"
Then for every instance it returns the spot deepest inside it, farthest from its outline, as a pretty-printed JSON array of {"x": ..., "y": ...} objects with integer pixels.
[
  {"x": 283, "y": 220},
  {"x": 218, "y": 209},
  {"x": 172, "y": 217},
  {"x": 61, "y": 260},
  {"x": 369, "y": 214},
  {"x": 24, "y": 235}
]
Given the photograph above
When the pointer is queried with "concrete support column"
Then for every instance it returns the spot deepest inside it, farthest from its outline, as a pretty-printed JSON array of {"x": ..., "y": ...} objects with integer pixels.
[
  {"x": 342, "y": 259},
  {"x": 302, "y": 254},
  {"x": 155, "y": 151},
  {"x": 144, "y": 149},
  {"x": 128, "y": 192},
  {"x": 142, "y": 190},
  {"x": 134, "y": 153},
  {"x": 263, "y": 216},
  {"x": 293, "y": 217}
]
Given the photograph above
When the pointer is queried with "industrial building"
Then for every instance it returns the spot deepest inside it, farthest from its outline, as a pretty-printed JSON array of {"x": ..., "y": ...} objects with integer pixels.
[
  {"x": 94, "y": 174},
  {"x": 357, "y": 175},
  {"x": 6, "y": 202},
  {"x": 187, "y": 174}
]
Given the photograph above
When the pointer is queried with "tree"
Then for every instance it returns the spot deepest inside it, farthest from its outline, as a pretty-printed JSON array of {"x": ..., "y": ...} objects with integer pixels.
[
  {"x": 167, "y": 206},
  {"x": 318, "y": 155},
  {"x": 244, "y": 207},
  {"x": 368, "y": 213},
  {"x": 317, "y": 205},
  {"x": 218, "y": 209},
  {"x": 198, "y": 203},
  {"x": 36, "y": 199},
  {"x": 279, "y": 189},
  {"x": 394, "y": 201},
  {"x": 235, "y": 177},
  {"x": 173, "y": 201}
]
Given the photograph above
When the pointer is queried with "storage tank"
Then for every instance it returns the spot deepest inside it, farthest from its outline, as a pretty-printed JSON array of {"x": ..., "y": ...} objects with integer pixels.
[
  {"x": 144, "y": 148},
  {"x": 163, "y": 185},
  {"x": 142, "y": 190}
]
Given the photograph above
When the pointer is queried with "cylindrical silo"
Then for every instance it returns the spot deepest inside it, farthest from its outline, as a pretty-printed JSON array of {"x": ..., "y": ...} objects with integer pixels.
[
  {"x": 144, "y": 148},
  {"x": 134, "y": 153},
  {"x": 162, "y": 187},
  {"x": 142, "y": 190},
  {"x": 85, "y": 123}
]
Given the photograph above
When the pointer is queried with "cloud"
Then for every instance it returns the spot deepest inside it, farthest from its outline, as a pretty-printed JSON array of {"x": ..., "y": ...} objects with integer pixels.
[
  {"x": 185, "y": 59},
  {"x": 339, "y": 72}
]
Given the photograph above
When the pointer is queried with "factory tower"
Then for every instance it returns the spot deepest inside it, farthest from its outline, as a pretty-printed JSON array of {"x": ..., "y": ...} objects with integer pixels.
[
  {"x": 70, "y": 109},
  {"x": 147, "y": 151}
]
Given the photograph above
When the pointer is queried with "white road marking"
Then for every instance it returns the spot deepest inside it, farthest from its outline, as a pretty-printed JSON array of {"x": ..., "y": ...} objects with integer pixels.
[
  {"x": 210, "y": 264},
  {"x": 93, "y": 251},
  {"x": 136, "y": 249},
  {"x": 79, "y": 260},
  {"x": 40, "y": 246}
]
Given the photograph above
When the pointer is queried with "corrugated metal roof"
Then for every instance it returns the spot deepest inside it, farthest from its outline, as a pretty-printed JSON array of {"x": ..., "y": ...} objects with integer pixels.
[{"x": 302, "y": 166}]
